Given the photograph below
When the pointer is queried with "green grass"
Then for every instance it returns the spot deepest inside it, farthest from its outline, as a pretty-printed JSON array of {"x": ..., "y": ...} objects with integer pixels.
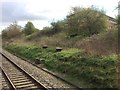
[{"x": 92, "y": 71}]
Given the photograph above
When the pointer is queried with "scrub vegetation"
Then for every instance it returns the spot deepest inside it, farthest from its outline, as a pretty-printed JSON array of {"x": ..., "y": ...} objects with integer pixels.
[
  {"x": 89, "y": 55},
  {"x": 97, "y": 71}
]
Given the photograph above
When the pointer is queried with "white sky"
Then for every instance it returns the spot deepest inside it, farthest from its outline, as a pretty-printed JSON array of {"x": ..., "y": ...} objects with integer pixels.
[{"x": 53, "y": 10}]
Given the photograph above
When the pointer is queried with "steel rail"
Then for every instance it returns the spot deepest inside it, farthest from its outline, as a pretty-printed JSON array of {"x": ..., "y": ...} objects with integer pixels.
[
  {"x": 32, "y": 78},
  {"x": 51, "y": 73},
  {"x": 8, "y": 79}
]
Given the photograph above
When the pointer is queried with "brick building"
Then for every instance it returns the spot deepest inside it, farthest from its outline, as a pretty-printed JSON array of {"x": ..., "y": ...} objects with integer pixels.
[{"x": 112, "y": 23}]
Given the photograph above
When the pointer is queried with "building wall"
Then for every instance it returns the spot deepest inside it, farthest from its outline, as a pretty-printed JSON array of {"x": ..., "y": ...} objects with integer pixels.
[{"x": 112, "y": 23}]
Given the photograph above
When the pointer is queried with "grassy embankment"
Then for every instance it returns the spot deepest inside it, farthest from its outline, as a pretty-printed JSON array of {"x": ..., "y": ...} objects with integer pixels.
[
  {"x": 89, "y": 61},
  {"x": 75, "y": 64},
  {"x": 105, "y": 43},
  {"x": 89, "y": 53}
]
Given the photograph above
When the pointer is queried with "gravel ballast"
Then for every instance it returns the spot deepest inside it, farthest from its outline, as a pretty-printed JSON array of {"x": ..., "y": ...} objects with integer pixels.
[{"x": 45, "y": 78}]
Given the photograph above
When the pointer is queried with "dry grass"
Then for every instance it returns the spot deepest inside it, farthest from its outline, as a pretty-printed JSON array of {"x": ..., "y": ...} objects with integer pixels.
[{"x": 102, "y": 44}]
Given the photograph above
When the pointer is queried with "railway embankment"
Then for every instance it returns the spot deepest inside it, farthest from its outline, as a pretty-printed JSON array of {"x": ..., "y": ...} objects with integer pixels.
[
  {"x": 46, "y": 79},
  {"x": 73, "y": 64}
]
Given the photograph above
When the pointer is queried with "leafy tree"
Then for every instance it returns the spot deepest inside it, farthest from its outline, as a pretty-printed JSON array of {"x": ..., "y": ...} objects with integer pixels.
[
  {"x": 63, "y": 25},
  {"x": 13, "y": 30},
  {"x": 86, "y": 21},
  {"x": 56, "y": 27},
  {"x": 46, "y": 31},
  {"x": 29, "y": 28},
  {"x": 59, "y": 26},
  {"x": 47, "y": 28}
]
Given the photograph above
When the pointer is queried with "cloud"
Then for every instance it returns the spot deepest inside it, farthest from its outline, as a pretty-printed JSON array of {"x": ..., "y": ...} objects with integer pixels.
[
  {"x": 40, "y": 12},
  {"x": 16, "y": 11}
]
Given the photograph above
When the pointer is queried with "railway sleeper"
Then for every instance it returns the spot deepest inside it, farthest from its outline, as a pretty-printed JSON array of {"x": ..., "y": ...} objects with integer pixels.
[
  {"x": 13, "y": 72},
  {"x": 13, "y": 77},
  {"x": 31, "y": 88},
  {"x": 5, "y": 88},
  {"x": 26, "y": 86},
  {"x": 23, "y": 83},
  {"x": 16, "y": 79},
  {"x": 20, "y": 73}
]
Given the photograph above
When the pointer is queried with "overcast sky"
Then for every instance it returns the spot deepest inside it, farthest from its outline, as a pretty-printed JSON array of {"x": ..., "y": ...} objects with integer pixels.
[{"x": 42, "y": 12}]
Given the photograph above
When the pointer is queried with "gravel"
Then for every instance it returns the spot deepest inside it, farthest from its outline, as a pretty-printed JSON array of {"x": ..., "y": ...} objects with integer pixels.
[{"x": 46, "y": 79}]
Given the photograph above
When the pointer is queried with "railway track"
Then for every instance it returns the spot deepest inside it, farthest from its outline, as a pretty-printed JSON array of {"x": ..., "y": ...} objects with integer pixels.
[
  {"x": 5, "y": 81},
  {"x": 77, "y": 87},
  {"x": 74, "y": 86},
  {"x": 15, "y": 78}
]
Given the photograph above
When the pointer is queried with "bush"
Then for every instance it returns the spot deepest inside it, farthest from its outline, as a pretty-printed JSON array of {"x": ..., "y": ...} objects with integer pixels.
[
  {"x": 86, "y": 21},
  {"x": 12, "y": 31}
]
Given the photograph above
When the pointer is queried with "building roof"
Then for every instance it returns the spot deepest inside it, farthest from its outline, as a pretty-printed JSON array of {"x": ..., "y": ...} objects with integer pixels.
[{"x": 111, "y": 18}]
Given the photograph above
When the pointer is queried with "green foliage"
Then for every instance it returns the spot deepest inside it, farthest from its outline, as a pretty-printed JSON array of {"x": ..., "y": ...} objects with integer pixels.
[
  {"x": 96, "y": 71},
  {"x": 86, "y": 21},
  {"x": 67, "y": 54},
  {"x": 29, "y": 28},
  {"x": 59, "y": 26},
  {"x": 47, "y": 31},
  {"x": 80, "y": 23},
  {"x": 13, "y": 30},
  {"x": 55, "y": 28}
]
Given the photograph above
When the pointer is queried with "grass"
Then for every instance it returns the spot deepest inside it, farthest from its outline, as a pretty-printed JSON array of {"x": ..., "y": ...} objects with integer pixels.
[
  {"x": 104, "y": 43},
  {"x": 92, "y": 66},
  {"x": 92, "y": 71}
]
